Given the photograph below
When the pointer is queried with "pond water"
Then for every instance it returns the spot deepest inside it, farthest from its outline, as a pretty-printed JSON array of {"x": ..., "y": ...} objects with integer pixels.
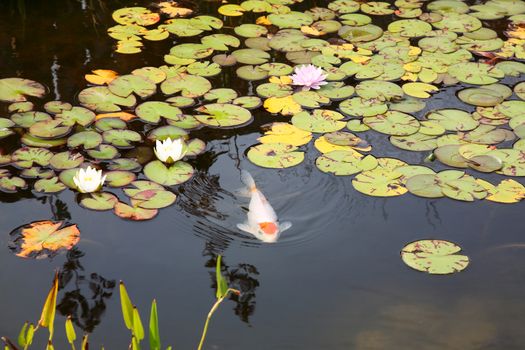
[{"x": 335, "y": 280}]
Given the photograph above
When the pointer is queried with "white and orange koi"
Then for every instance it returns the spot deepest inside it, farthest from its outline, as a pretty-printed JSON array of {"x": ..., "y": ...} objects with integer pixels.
[{"x": 262, "y": 221}]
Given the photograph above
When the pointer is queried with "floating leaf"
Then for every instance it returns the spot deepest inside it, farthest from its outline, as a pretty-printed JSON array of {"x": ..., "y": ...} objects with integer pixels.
[
  {"x": 223, "y": 115},
  {"x": 16, "y": 89},
  {"x": 41, "y": 239},
  {"x": 136, "y": 214},
  {"x": 275, "y": 155},
  {"x": 98, "y": 201},
  {"x": 175, "y": 174},
  {"x": 436, "y": 257}
]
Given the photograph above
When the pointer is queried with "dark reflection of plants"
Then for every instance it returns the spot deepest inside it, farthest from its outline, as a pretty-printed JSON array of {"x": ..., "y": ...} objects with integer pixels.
[
  {"x": 242, "y": 277},
  {"x": 84, "y": 296}
]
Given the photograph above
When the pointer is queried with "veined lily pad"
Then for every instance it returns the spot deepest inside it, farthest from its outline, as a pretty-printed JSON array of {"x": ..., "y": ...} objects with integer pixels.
[
  {"x": 50, "y": 129},
  {"x": 379, "y": 182},
  {"x": 436, "y": 257},
  {"x": 134, "y": 213},
  {"x": 103, "y": 152},
  {"x": 153, "y": 199},
  {"x": 16, "y": 89},
  {"x": 125, "y": 85},
  {"x": 223, "y": 115},
  {"x": 98, "y": 201},
  {"x": 320, "y": 120},
  {"x": 393, "y": 123},
  {"x": 275, "y": 155},
  {"x": 175, "y": 174},
  {"x": 51, "y": 185},
  {"x": 189, "y": 85},
  {"x": 119, "y": 178},
  {"x": 344, "y": 163},
  {"x": 152, "y": 111},
  {"x": 121, "y": 138},
  {"x": 475, "y": 73},
  {"x": 101, "y": 99},
  {"x": 66, "y": 160},
  {"x": 26, "y": 157},
  {"x": 86, "y": 139}
]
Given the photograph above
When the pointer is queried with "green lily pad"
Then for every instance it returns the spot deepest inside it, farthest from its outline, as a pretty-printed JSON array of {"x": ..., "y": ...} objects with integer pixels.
[
  {"x": 153, "y": 199},
  {"x": 119, "y": 178},
  {"x": 121, "y": 138},
  {"x": 251, "y": 56},
  {"x": 106, "y": 124},
  {"x": 76, "y": 115},
  {"x": 50, "y": 129},
  {"x": 16, "y": 89},
  {"x": 249, "y": 30},
  {"x": 204, "y": 69},
  {"x": 86, "y": 139},
  {"x": 223, "y": 115},
  {"x": 66, "y": 160},
  {"x": 27, "y": 119},
  {"x": 124, "y": 164},
  {"x": 51, "y": 185},
  {"x": 164, "y": 132},
  {"x": 381, "y": 90},
  {"x": 11, "y": 184},
  {"x": 343, "y": 163},
  {"x": 101, "y": 99},
  {"x": 188, "y": 85},
  {"x": 26, "y": 157},
  {"x": 475, "y": 73},
  {"x": 436, "y": 257},
  {"x": 275, "y": 155},
  {"x": 99, "y": 201},
  {"x": 320, "y": 120},
  {"x": 153, "y": 111},
  {"x": 103, "y": 152},
  {"x": 453, "y": 119},
  {"x": 357, "y": 34},
  {"x": 292, "y": 19},
  {"x": 393, "y": 123},
  {"x": 175, "y": 174},
  {"x": 20, "y": 107},
  {"x": 124, "y": 211},
  {"x": 379, "y": 182},
  {"x": 125, "y": 85}
]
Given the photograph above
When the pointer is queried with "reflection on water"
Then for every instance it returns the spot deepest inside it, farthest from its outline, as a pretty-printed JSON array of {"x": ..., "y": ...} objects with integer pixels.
[
  {"x": 84, "y": 296},
  {"x": 242, "y": 277}
]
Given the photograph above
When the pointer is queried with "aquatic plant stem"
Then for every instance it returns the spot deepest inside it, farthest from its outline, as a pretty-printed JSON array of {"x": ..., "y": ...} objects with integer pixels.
[{"x": 210, "y": 314}]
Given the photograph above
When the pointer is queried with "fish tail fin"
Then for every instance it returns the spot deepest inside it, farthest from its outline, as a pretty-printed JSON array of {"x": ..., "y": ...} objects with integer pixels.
[{"x": 247, "y": 179}]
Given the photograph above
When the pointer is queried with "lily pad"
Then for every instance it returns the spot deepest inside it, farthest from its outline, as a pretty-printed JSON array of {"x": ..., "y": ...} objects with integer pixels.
[
  {"x": 223, "y": 115},
  {"x": 436, "y": 257},
  {"x": 175, "y": 174},
  {"x": 16, "y": 89},
  {"x": 275, "y": 155}
]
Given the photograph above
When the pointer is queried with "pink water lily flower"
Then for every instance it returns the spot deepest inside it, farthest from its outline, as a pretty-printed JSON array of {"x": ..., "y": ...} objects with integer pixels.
[{"x": 309, "y": 77}]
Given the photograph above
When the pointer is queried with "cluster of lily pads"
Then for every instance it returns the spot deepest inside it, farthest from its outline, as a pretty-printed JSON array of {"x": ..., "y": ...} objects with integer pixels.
[{"x": 376, "y": 79}]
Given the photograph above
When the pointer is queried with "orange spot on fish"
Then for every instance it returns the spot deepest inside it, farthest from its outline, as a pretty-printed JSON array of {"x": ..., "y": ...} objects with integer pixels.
[{"x": 269, "y": 228}]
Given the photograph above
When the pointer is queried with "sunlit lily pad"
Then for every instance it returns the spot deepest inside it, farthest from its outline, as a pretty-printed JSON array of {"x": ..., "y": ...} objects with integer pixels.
[
  {"x": 174, "y": 174},
  {"x": 41, "y": 239},
  {"x": 16, "y": 89},
  {"x": 51, "y": 185},
  {"x": 98, "y": 201},
  {"x": 379, "y": 182},
  {"x": 134, "y": 213},
  {"x": 436, "y": 257},
  {"x": 223, "y": 115},
  {"x": 275, "y": 155},
  {"x": 101, "y": 99},
  {"x": 320, "y": 120},
  {"x": 344, "y": 163}
]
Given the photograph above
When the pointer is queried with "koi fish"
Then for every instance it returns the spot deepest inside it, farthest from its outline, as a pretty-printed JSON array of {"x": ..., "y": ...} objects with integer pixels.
[{"x": 261, "y": 221}]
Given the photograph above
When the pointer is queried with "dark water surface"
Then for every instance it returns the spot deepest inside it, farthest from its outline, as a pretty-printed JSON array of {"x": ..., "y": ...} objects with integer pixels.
[{"x": 334, "y": 281}]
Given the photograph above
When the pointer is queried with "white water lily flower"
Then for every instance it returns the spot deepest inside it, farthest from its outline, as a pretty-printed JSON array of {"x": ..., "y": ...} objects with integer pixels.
[
  {"x": 309, "y": 77},
  {"x": 170, "y": 151},
  {"x": 89, "y": 180}
]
